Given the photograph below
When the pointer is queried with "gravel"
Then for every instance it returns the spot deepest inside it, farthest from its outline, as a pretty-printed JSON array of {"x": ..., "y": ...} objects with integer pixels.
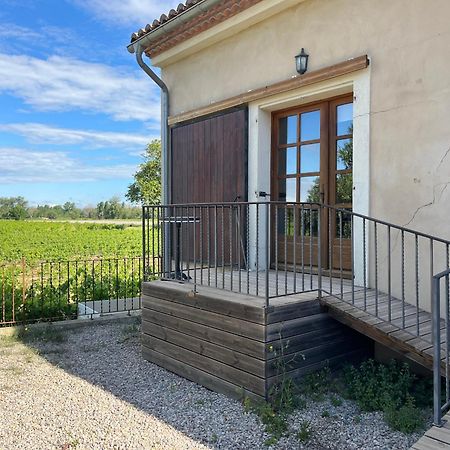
[{"x": 89, "y": 388}]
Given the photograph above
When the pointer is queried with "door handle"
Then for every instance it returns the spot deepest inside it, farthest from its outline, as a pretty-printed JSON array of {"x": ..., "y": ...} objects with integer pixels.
[{"x": 322, "y": 194}]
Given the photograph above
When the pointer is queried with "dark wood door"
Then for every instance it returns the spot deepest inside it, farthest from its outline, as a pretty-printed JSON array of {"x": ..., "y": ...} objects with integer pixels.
[
  {"x": 312, "y": 150},
  {"x": 209, "y": 164}
]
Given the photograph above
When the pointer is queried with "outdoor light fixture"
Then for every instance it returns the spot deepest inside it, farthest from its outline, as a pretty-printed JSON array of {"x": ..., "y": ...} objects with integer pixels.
[{"x": 301, "y": 61}]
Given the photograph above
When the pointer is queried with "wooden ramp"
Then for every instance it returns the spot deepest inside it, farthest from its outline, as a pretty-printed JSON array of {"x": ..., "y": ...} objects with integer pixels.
[
  {"x": 435, "y": 438},
  {"x": 406, "y": 329}
]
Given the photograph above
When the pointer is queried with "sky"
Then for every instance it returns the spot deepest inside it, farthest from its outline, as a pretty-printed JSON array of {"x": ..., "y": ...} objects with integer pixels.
[{"x": 76, "y": 111}]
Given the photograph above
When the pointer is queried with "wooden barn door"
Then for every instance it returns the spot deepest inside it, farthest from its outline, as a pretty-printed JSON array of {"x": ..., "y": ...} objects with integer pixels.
[{"x": 209, "y": 165}]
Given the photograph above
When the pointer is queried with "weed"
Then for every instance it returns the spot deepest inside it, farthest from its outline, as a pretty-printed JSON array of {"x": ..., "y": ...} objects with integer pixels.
[
  {"x": 390, "y": 388},
  {"x": 200, "y": 402},
  {"x": 214, "y": 438},
  {"x": 315, "y": 385},
  {"x": 335, "y": 401},
  {"x": 304, "y": 432},
  {"x": 407, "y": 418},
  {"x": 325, "y": 414},
  {"x": 357, "y": 419}
]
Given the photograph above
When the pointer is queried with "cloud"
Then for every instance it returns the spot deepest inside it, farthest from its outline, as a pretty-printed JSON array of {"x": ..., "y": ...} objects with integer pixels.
[
  {"x": 63, "y": 84},
  {"x": 128, "y": 12},
  {"x": 18, "y": 165},
  {"x": 37, "y": 133}
]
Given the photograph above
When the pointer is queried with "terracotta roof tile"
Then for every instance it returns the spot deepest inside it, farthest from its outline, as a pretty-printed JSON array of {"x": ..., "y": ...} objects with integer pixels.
[{"x": 218, "y": 13}]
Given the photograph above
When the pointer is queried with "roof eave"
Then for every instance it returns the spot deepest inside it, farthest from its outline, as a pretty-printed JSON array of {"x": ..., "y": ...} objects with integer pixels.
[{"x": 147, "y": 39}]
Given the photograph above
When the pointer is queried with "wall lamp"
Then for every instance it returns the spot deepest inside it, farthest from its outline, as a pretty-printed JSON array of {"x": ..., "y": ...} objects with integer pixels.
[{"x": 301, "y": 62}]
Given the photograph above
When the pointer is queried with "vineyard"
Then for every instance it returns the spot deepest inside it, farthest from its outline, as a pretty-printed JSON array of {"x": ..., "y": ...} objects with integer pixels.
[
  {"x": 51, "y": 271},
  {"x": 36, "y": 241}
]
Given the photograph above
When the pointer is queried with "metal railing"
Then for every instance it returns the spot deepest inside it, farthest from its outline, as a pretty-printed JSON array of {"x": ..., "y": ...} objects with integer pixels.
[
  {"x": 68, "y": 289},
  {"x": 441, "y": 405},
  {"x": 272, "y": 249},
  {"x": 228, "y": 246}
]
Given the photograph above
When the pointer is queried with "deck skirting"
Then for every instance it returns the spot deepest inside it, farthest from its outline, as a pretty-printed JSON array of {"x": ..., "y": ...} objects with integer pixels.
[{"x": 231, "y": 343}]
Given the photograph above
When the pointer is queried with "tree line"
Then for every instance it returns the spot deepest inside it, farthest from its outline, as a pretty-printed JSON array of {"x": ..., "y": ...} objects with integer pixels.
[
  {"x": 17, "y": 208},
  {"x": 145, "y": 189}
]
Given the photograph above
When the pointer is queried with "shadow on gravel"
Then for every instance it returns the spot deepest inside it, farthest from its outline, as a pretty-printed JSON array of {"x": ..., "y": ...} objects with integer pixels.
[{"x": 108, "y": 355}]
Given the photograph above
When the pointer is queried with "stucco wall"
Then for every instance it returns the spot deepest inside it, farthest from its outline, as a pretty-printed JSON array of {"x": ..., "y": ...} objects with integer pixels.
[
  {"x": 407, "y": 135},
  {"x": 408, "y": 42}
]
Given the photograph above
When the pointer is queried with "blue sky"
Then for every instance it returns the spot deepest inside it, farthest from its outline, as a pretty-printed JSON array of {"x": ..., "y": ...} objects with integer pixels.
[{"x": 76, "y": 111}]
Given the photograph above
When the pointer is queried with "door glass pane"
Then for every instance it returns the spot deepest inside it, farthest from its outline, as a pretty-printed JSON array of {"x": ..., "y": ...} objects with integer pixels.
[
  {"x": 310, "y": 189},
  {"x": 344, "y": 188},
  {"x": 344, "y": 120},
  {"x": 288, "y": 130},
  {"x": 344, "y": 220},
  {"x": 287, "y": 161},
  {"x": 344, "y": 154},
  {"x": 287, "y": 189},
  {"x": 310, "y": 126},
  {"x": 286, "y": 221},
  {"x": 310, "y": 158}
]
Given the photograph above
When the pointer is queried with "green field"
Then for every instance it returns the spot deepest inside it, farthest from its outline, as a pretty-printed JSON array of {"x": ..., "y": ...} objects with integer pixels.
[
  {"x": 48, "y": 268},
  {"x": 38, "y": 240}
]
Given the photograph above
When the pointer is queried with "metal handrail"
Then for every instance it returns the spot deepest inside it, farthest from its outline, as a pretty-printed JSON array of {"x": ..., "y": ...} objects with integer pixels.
[
  {"x": 384, "y": 269},
  {"x": 440, "y": 408}
]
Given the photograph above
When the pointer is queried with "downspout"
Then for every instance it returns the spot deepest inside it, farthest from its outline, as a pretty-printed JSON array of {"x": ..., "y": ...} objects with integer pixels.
[
  {"x": 165, "y": 156},
  {"x": 165, "y": 132}
]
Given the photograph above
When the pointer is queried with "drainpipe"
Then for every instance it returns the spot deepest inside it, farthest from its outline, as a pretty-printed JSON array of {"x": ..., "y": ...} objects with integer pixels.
[
  {"x": 165, "y": 152},
  {"x": 165, "y": 134}
]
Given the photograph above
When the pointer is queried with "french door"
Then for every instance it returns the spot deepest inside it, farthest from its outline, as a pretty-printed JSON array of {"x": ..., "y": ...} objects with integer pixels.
[{"x": 312, "y": 154}]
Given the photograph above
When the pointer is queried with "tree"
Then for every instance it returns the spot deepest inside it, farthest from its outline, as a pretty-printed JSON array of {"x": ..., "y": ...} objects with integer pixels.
[
  {"x": 146, "y": 188},
  {"x": 13, "y": 208}
]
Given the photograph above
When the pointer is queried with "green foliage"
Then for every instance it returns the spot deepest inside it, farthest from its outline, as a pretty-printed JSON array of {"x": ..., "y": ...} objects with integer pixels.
[
  {"x": 390, "y": 388},
  {"x": 375, "y": 386},
  {"x": 17, "y": 208},
  {"x": 325, "y": 413},
  {"x": 336, "y": 401},
  {"x": 37, "y": 241},
  {"x": 407, "y": 419},
  {"x": 304, "y": 432},
  {"x": 13, "y": 208},
  {"x": 316, "y": 384},
  {"x": 146, "y": 188}
]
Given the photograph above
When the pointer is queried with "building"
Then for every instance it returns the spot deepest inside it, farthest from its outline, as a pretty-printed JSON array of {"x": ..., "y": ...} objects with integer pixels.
[{"x": 339, "y": 175}]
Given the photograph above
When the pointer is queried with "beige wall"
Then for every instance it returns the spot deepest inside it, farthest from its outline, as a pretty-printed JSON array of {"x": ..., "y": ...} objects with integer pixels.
[{"x": 408, "y": 42}]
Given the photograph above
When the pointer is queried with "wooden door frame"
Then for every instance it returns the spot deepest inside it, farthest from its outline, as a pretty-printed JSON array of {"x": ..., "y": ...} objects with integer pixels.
[{"x": 328, "y": 121}]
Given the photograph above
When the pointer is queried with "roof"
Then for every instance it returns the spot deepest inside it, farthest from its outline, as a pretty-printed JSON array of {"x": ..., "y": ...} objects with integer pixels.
[
  {"x": 163, "y": 18},
  {"x": 206, "y": 18}
]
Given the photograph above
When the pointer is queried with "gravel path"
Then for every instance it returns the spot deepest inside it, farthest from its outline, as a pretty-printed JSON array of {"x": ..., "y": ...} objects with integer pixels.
[{"x": 89, "y": 388}]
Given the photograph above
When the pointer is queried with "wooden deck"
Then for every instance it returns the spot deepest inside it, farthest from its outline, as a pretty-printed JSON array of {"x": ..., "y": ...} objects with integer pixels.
[
  {"x": 363, "y": 315},
  {"x": 347, "y": 305},
  {"x": 435, "y": 438}
]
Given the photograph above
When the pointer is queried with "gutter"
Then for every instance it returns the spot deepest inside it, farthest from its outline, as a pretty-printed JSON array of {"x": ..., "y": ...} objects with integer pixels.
[{"x": 168, "y": 26}]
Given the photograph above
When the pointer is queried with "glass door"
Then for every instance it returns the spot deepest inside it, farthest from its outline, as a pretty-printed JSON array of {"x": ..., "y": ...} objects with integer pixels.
[{"x": 312, "y": 163}]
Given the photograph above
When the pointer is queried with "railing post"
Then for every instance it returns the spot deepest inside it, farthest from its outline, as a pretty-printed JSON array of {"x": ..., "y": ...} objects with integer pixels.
[
  {"x": 436, "y": 351},
  {"x": 144, "y": 265},
  {"x": 267, "y": 253},
  {"x": 319, "y": 259}
]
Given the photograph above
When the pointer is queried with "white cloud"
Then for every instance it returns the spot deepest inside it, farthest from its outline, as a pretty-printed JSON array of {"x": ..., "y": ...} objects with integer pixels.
[
  {"x": 128, "y": 12},
  {"x": 19, "y": 165},
  {"x": 37, "y": 133},
  {"x": 62, "y": 84}
]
